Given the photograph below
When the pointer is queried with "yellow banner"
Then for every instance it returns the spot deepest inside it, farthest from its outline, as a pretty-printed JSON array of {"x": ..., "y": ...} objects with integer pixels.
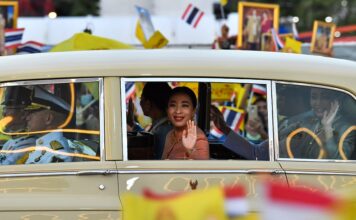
[
  {"x": 196, "y": 205},
  {"x": 156, "y": 41},
  {"x": 292, "y": 46}
]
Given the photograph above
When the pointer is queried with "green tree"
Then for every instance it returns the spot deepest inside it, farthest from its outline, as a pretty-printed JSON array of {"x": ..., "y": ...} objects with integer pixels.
[{"x": 77, "y": 7}]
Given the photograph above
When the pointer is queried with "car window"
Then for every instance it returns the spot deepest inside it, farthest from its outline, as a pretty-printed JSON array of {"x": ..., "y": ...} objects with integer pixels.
[
  {"x": 49, "y": 122},
  {"x": 315, "y": 123},
  {"x": 231, "y": 118}
]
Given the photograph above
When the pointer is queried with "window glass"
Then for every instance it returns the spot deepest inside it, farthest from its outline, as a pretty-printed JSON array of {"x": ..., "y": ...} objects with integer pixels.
[
  {"x": 49, "y": 123},
  {"x": 315, "y": 123},
  {"x": 231, "y": 120}
]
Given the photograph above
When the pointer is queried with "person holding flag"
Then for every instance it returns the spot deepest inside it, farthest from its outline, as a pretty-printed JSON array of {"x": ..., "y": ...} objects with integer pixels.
[{"x": 236, "y": 142}]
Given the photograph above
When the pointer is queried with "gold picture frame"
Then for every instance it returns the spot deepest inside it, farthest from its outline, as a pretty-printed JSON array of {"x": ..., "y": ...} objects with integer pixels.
[
  {"x": 9, "y": 11},
  {"x": 255, "y": 21},
  {"x": 322, "y": 38}
]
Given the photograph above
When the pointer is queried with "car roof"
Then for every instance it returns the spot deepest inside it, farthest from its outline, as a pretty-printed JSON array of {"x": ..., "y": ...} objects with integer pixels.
[{"x": 183, "y": 63}]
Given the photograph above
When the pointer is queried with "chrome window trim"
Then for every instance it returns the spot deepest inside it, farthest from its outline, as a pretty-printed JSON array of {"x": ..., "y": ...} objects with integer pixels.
[
  {"x": 266, "y": 82},
  {"x": 101, "y": 119},
  {"x": 46, "y": 81},
  {"x": 275, "y": 120},
  {"x": 313, "y": 160},
  {"x": 76, "y": 80}
]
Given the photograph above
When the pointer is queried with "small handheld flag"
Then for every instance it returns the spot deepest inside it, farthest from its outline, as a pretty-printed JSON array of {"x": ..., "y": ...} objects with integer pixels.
[
  {"x": 276, "y": 40},
  {"x": 233, "y": 118},
  {"x": 130, "y": 90},
  {"x": 259, "y": 89},
  {"x": 30, "y": 47},
  {"x": 145, "y": 22},
  {"x": 13, "y": 37},
  {"x": 192, "y": 15}
]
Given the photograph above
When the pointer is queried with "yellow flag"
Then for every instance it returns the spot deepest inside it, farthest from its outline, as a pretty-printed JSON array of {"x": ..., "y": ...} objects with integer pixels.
[
  {"x": 292, "y": 46},
  {"x": 157, "y": 40},
  {"x": 85, "y": 41},
  {"x": 139, "y": 33},
  {"x": 196, "y": 205},
  {"x": 223, "y": 2}
]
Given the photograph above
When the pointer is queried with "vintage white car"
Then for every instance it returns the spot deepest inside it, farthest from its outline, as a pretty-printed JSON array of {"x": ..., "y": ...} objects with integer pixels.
[{"x": 67, "y": 152}]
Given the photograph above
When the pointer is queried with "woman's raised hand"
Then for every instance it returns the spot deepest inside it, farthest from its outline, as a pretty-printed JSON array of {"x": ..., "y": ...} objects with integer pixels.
[{"x": 189, "y": 137}]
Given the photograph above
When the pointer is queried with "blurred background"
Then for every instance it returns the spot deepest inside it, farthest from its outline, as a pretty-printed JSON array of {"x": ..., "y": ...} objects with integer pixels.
[{"x": 52, "y": 21}]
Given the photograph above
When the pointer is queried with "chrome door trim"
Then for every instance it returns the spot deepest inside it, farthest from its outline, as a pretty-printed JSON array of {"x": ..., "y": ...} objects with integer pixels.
[
  {"x": 319, "y": 173},
  {"x": 68, "y": 173},
  {"x": 272, "y": 171},
  {"x": 111, "y": 172},
  {"x": 114, "y": 172}
]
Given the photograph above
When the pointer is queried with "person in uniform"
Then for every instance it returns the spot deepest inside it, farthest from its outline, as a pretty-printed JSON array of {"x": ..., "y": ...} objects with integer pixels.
[
  {"x": 325, "y": 123},
  {"x": 17, "y": 98},
  {"x": 48, "y": 112}
]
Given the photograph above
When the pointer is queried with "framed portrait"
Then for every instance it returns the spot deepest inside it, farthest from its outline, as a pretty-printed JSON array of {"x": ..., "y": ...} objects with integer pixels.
[
  {"x": 322, "y": 38},
  {"x": 9, "y": 11},
  {"x": 255, "y": 23}
]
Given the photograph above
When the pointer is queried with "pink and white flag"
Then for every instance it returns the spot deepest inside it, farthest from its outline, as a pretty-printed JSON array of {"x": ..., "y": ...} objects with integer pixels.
[
  {"x": 259, "y": 89},
  {"x": 284, "y": 202},
  {"x": 235, "y": 201}
]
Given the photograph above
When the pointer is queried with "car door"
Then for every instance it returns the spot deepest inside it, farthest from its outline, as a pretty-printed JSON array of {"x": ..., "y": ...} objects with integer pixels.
[
  {"x": 225, "y": 168},
  {"x": 77, "y": 181},
  {"x": 313, "y": 157}
]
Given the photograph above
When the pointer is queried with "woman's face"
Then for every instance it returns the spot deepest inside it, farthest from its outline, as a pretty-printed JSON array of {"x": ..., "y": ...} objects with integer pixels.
[
  {"x": 180, "y": 110},
  {"x": 319, "y": 102}
]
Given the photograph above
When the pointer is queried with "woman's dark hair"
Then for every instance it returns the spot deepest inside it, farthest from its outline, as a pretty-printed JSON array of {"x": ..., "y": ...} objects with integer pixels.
[
  {"x": 185, "y": 91},
  {"x": 157, "y": 93}
]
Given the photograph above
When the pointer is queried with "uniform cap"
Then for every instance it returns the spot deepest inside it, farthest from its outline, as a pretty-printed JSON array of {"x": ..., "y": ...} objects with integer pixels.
[
  {"x": 17, "y": 95},
  {"x": 46, "y": 100}
]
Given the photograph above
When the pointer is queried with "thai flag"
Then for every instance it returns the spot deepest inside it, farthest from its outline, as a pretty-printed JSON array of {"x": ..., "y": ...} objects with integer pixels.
[
  {"x": 259, "y": 89},
  {"x": 13, "y": 37},
  {"x": 276, "y": 40},
  {"x": 216, "y": 133},
  {"x": 130, "y": 90},
  {"x": 192, "y": 15},
  {"x": 235, "y": 201},
  {"x": 30, "y": 47},
  {"x": 233, "y": 118}
]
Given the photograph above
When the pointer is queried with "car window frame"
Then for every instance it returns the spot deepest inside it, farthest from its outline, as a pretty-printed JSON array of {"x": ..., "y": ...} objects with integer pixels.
[
  {"x": 266, "y": 82},
  {"x": 275, "y": 120},
  {"x": 72, "y": 80}
]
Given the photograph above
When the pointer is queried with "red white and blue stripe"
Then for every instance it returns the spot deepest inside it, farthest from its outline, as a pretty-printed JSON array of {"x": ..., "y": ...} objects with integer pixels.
[
  {"x": 259, "y": 89},
  {"x": 130, "y": 90},
  {"x": 30, "y": 47},
  {"x": 192, "y": 15},
  {"x": 278, "y": 43},
  {"x": 13, "y": 37},
  {"x": 233, "y": 118},
  {"x": 216, "y": 134}
]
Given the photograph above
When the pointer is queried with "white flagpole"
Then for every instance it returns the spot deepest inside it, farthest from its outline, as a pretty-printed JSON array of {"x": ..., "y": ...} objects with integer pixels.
[{"x": 2, "y": 36}]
